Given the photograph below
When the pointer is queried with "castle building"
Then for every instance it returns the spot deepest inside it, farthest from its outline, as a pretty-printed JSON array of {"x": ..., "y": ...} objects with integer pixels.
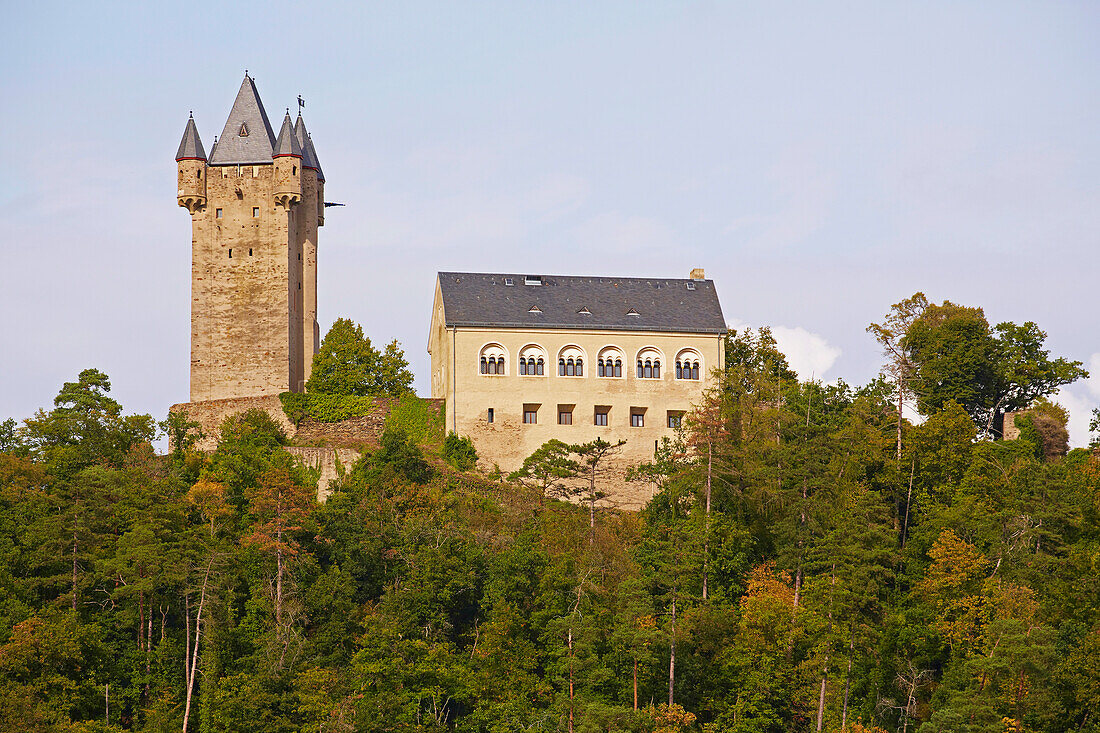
[
  {"x": 522, "y": 359},
  {"x": 256, "y": 204}
]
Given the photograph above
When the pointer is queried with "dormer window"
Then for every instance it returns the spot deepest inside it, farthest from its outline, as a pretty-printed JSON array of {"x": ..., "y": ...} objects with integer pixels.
[
  {"x": 244, "y": 130},
  {"x": 532, "y": 280}
]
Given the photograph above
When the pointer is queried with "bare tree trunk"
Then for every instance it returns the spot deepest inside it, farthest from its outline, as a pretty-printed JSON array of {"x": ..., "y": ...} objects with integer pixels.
[
  {"x": 901, "y": 402},
  {"x": 672, "y": 653},
  {"x": 635, "y": 683},
  {"x": 74, "y": 561},
  {"x": 195, "y": 649},
  {"x": 570, "y": 679},
  {"x": 592, "y": 505},
  {"x": 848, "y": 675},
  {"x": 706, "y": 530},
  {"x": 908, "y": 500},
  {"x": 825, "y": 670}
]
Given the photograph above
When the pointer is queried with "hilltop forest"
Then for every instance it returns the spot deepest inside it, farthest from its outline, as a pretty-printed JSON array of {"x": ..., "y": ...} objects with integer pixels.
[{"x": 812, "y": 560}]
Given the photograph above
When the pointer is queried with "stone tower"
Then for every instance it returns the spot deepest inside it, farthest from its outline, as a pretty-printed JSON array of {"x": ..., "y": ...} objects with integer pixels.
[{"x": 256, "y": 204}]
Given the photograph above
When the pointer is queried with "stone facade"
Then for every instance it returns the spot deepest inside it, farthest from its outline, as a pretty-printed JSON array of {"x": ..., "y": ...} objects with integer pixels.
[
  {"x": 528, "y": 410},
  {"x": 210, "y": 414}
]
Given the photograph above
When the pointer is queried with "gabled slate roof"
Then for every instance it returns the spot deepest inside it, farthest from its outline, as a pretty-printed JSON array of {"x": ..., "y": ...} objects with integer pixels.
[
  {"x": 308, "y": 158},
  {"x": 247, "y": 137},
  {"x": 486, "y": 300},
  {"x": 191, "y": 146},
  {"x": 287, "y": 144}
]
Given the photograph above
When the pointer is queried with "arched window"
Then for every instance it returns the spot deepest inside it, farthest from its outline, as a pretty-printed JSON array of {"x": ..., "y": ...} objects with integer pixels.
[
  {"x": 532, "y": 361},
  {"x": 649, "y": 363},
  {"x": 687, "y": 364},
  {"x": 492, "y": 360},
  {"x": 571, "y": 362},
  {"x": 606, "y": 360}
]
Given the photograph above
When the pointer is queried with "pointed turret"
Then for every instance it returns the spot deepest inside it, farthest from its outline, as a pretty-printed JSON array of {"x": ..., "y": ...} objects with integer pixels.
[
  {"x": 287, "y": 144},
  {"x": 247, "y": 137},
  {"x": 191, "y": 170},
  {"x": 313, "y": 155},
  {"x": 191, "y": 146},
  {"x": 308, "y": 159},
  {"x": 288, "y": 166}
]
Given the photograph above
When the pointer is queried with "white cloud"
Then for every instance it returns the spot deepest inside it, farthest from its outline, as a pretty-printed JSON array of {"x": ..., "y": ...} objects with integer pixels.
[
  {"x": 808, "y": 353},
  {"x": 1081, "y": 399}
]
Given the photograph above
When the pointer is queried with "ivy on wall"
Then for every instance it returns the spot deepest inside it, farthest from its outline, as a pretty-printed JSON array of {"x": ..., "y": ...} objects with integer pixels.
[{"x": 324, "y": 407}]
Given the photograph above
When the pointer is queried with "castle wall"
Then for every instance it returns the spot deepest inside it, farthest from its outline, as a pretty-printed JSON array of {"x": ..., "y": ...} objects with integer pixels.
[
  {"x": 508, "y": 440},
  {"x": 241, "y": 315},
  {"x": 307, "y": 238}
]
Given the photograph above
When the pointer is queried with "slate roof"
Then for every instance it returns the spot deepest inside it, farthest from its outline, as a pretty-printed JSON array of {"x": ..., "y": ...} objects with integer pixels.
[
  {"x": 313, "y": 154},
  {"x": 247, "y": 115},
  {"x": 309, "y": 160},
  {"x": 486, "y": 300},
  {"x": 191, "y": 146},
  {"x": 287, "y": 144}
]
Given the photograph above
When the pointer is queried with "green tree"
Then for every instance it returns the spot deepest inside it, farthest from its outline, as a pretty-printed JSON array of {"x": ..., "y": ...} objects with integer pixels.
[
  {"x": 987, "y": 371},
  {"x": 348, "y": 364}
]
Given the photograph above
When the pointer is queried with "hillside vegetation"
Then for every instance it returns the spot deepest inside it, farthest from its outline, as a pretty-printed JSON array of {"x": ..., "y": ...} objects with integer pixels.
[{"x": 810, "y": 561}]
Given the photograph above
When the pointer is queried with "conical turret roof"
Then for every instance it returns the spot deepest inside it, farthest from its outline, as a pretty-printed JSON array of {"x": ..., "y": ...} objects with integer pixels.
[
  {"x": 190, "y": 146},
  {"x": 308, "y": 159},
  {"x": 247, "y": 137},
  {"x": 313, "y": 156},
  {"x": 287, "y": 144}
]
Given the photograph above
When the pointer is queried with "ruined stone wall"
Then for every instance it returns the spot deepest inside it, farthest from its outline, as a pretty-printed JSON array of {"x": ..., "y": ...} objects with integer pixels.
[
  {"x": 331, "y": 462},
  {"x": 210, "y": 414}
]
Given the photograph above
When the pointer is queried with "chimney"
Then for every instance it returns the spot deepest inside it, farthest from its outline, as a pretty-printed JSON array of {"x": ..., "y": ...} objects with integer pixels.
[{"x": 698, "y": 274}]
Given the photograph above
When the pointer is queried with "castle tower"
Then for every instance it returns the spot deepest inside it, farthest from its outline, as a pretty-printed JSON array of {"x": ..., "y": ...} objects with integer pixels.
[{"x": 254, "y": 215}]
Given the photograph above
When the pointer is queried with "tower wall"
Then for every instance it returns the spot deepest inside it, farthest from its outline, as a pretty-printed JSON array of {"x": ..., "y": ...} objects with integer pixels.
[
  {"x": 310, "y": 220},
  {"x": 245, "y": 318}
]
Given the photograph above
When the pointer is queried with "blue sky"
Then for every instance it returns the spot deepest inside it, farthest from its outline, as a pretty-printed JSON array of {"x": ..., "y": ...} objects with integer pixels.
[{"x": 821, "y": 161}]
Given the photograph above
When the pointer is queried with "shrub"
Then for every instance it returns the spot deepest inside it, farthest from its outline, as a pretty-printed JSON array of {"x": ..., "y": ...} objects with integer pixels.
[
  {"x": 459, "y": 452},
  {"x": 324, "y": 407},
  {"x": 417, "y": 419}
]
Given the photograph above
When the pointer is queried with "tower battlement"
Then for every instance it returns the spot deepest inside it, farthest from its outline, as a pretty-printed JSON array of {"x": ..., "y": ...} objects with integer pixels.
[{"x": 256, "y": 203}]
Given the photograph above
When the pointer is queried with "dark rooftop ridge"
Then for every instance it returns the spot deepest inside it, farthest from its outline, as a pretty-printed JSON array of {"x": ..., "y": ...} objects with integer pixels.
[{"x": 487, "y": 300}]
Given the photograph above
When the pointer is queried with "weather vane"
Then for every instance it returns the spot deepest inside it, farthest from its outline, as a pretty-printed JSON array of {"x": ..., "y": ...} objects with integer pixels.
[{"x": 301, "y": 103}]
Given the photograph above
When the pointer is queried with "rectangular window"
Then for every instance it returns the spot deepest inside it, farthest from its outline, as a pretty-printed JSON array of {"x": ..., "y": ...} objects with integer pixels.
[
  {"x": 637, "y": 417},
  {"x": 217, "y": 213},
  {"x": 255, "y": 212},
  {"x": 675, "y": 418},
  {"x": 489, "y": 416},
  {"x": 530, "y": 416},
  {"x": 601, "y": 415},
  {"x": 565, "y": 417}
]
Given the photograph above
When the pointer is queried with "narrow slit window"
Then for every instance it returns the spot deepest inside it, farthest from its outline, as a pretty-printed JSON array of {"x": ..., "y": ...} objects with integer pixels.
[
  {"x": 217, "y": 213},
  {"x": 489, "y": 415},
  {"x": 255, "y": 212},
  {"x": 230, "y": 253},
  {"x": 249, "y": 251}
]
